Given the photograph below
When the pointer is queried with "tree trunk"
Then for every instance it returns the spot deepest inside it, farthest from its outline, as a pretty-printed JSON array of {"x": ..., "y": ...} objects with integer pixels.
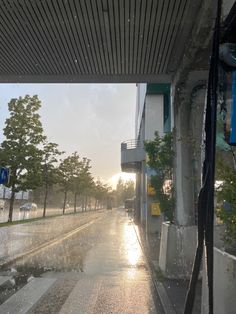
[
  {"x": 86, "y": 202},
  {"x": 45, "y": 201},
  {"x": 11, "y": 204},
  {"x": 83, "y": 203},
  {"x": 75, "y": 202},
  {"x": 64, "y": 204}
]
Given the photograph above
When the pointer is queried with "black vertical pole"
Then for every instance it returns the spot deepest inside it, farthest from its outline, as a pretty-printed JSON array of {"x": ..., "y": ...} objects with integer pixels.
[
  {"x": 211, "y": 143},
  {"x": 206, "y": 195}
]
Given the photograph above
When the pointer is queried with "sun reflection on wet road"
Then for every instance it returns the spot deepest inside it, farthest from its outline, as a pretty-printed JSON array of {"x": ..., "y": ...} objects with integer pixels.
[
  {"x": 102, "y": 265},
  {"x": 132, "y": 247}
]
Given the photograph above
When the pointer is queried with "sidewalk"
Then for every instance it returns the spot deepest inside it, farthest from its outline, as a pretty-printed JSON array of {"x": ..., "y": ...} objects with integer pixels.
[{"x": 172, "y": 292}]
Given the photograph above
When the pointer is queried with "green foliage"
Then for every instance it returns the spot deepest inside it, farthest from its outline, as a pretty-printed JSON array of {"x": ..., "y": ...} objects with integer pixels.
[
  {"x": 160, "y": 158},
  {"x": 20, "y": 149},
  {"x": 101, "y": 191},
  {"x": 82, "y": 180},
  {"x": 68, "y": 169},
  {"x": 227, "y": 193},
  {"x": 75, "y": 176},
  {"x": 50, "y": 154},
  {"x": 49, "y": 172},
  {"x": 124, "y": 191}
]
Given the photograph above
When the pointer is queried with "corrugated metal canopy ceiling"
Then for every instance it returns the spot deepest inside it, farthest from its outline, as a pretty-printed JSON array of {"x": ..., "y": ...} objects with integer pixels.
[{"x": 92, "y": 40}]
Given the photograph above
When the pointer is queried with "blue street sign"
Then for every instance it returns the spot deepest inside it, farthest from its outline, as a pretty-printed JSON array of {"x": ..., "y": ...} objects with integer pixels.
[{"x": 4, "y": 175}]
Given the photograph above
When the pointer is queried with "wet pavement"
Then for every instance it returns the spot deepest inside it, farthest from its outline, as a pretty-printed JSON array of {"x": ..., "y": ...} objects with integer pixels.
[
  {"x": 95, "y": 261},
  {"x": 172, "y": 292},
  {"x": 23, "y": 215},
  {"x": 18, "y": 239}
]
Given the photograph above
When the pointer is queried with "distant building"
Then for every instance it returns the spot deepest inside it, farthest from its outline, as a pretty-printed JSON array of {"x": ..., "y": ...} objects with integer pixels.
[{"x": 153, "y": 113}]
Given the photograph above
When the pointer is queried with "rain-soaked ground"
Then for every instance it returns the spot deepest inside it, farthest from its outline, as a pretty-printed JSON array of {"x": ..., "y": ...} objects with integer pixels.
[
  {"x": 24, "y": 214},
  {"x": 84, "y": 263}
]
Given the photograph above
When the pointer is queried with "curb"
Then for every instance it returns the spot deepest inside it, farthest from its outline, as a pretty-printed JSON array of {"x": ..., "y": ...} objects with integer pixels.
[{"x": 165, "y": 300}]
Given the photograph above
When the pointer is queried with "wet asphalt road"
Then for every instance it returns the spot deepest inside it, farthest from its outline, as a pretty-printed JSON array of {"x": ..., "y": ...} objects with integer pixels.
[
  {"x": 23, "y": 215},
  {"x": 95, "y": 259}
]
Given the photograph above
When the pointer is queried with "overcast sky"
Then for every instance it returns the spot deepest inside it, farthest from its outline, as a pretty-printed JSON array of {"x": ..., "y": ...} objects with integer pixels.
[{"x": 92, "y": 119}]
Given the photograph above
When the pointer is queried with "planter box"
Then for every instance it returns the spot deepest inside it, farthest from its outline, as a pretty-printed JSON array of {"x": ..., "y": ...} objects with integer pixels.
[{"x": 177, "y": 250}]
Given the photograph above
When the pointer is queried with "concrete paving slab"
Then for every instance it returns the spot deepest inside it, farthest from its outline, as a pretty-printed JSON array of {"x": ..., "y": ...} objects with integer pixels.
[
  {"x": 26, "y": 297},
  {"x": 83, "y": 297},
  {"x": 110, "y": 294}
]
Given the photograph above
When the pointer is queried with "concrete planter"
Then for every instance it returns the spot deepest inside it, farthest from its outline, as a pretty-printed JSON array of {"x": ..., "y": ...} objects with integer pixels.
[
  {"x": 177, "y": 250},
  {"x": 224, "y": 284}
]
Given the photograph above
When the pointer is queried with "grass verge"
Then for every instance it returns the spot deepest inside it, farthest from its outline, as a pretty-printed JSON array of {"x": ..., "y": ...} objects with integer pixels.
[{"x": 23, "y": 221}]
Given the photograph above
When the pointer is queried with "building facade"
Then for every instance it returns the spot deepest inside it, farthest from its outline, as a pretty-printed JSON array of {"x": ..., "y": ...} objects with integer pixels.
[{"x": 153, "y": 114}]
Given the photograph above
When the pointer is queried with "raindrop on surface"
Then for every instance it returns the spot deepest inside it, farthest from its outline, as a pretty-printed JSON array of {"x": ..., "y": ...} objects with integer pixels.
[{"x": 76, "y": 60}]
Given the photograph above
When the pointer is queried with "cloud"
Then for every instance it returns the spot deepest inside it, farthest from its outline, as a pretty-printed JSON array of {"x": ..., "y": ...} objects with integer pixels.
[{"x": 92, "y": 119}]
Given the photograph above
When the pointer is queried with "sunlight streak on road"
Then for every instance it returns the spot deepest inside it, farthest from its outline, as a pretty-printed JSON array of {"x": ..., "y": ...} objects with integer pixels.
[{"x": 132, "y": 247}]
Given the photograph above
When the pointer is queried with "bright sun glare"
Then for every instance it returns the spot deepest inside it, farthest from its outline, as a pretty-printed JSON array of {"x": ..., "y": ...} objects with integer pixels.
[
  {"x": 133, "y": 250},
  {"x": 123, "y": 175}
]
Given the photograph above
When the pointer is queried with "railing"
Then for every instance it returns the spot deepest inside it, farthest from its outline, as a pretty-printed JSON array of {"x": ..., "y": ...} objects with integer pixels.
[{"x": 131, "y": 144}]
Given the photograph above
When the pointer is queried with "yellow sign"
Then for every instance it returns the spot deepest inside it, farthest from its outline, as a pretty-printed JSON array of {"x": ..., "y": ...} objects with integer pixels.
[
  {"x": 150, "y": 190},
  {"x": 155, "y": 209}
]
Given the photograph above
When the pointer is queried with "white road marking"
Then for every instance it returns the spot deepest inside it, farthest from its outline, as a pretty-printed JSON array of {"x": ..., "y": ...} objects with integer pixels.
[
  {"x": 83, "y": 297},
  {"x": 23, "y": 300}
]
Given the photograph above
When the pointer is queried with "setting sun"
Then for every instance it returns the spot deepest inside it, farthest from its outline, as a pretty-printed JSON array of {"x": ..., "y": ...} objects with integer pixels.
[{"x": 123, "y": 175}]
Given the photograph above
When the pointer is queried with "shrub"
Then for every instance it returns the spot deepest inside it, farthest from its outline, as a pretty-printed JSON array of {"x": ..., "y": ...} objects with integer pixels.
[
  {"x": 226, "y": 197},
  {"x": 160, "y": 158}
]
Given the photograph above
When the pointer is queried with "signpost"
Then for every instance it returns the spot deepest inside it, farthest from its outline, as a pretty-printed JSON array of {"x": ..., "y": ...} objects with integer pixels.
[{"x": 4, "y": 175}]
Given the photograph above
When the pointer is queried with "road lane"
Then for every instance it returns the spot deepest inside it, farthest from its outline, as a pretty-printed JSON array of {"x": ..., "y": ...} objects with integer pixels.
[
  {"x": 100, "y": 269},
  {"x": 18, "y": 239},
  {"x": 24, "y": 215}
]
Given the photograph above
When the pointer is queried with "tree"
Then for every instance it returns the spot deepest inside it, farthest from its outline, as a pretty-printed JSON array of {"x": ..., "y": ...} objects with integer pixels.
[
  {"x": 49, "y": 173},
  {"x": 68, "y": 170},
  {"x": 100, "y": 193},
  {"x": 20, "y": 149},
  {"x": 82, "y": 181},
  {"x": 129, "y": 190},
  {"x": 124, "y": 190},
  {"x": 119, "y": 191},
  {"x": 160, "y": 153}
]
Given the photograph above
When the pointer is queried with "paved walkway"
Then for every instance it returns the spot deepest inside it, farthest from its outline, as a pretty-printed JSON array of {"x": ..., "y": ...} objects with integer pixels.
[
  {"x": 172, "y": 291},
  {"x": 100, "y": 269}
]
